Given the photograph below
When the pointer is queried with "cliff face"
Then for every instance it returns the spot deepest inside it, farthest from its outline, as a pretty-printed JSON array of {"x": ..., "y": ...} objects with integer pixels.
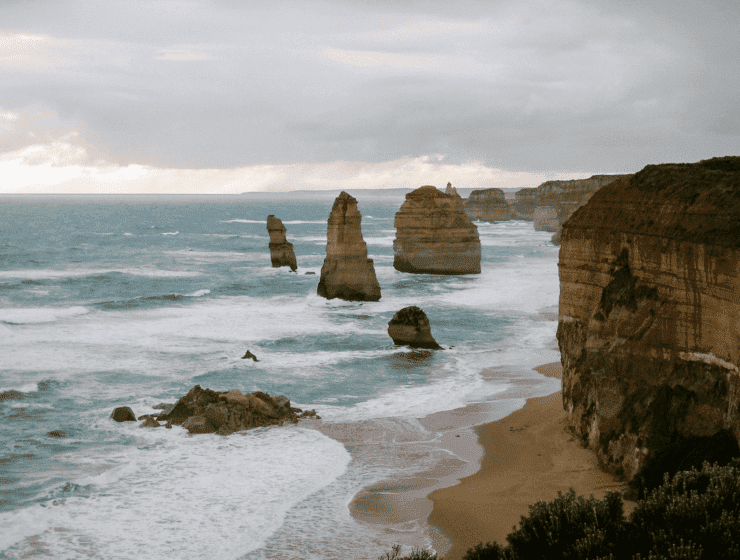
[
  {"x": 347, "y": 273},
  {"x": 649, "y": 327},
  {"x": 553, "y": 202},
  {"x": 281, "y": 252},
  {"x": 434, "y": 236},
  {"x": 525, "y": 201},
  {"x": 488, "y": 205}
]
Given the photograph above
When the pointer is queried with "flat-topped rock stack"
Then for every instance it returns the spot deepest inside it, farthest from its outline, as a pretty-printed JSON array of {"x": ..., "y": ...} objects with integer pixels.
[
  {"x": 281, "y": 252},
  {"x": 347, "y": 273},
  {"x": 525, "y": 201},
  {"x": 434, "y": 236},
  {"x": 649, "y": 327},
  {"x": 487, "y": 205}
]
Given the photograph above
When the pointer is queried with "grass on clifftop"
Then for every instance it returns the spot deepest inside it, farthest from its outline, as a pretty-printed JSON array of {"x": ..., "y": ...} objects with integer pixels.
[{"x": 694, "y": 515}]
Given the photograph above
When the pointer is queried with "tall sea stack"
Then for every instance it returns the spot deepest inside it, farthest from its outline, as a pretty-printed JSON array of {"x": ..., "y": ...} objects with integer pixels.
[
  {"x": 434, "y": 236},
  {"x": 347, "y": 272},
  {"x": 649, "y": 326},
  {"x": 281, "y": 252}
]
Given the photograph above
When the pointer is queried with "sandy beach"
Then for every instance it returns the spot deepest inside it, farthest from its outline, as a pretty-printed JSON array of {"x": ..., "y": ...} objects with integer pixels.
[{"x": 528, "y": 456}]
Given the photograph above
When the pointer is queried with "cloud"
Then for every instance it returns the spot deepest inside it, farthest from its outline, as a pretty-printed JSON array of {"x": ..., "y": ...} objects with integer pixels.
[
  {"x": 63, "y": 167},
  {"x": 528, "y": 85}
]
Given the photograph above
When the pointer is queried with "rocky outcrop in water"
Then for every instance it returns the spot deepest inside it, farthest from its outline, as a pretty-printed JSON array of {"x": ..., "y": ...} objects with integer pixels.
[
  {"x": 347, "y": 273},
  {"x": 488, "y": 205},
  {"x": 281, "y": 252},
  {"x": 410, "y": 327},
  {"x": 649, "y": 326},
  {"x": 123, "y": 414},
  {"x": 203, "y": 411},
  {"x": 434, "y": 236}
]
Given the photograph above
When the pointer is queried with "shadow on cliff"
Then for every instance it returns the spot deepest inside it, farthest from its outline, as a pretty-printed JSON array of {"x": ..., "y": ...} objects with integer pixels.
[{"x": 681, "y": 455}]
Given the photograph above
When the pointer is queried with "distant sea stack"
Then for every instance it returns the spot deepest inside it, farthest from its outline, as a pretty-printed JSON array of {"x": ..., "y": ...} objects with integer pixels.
[
  {"x": 281, "y": 252},
  {"x": 410, "y": 327},
  {"x": 347, "y": 272},
  {"x": 434, "y": 236},
  {"x": 649, "y": 325},
  {"x": 487, "y": 205}
]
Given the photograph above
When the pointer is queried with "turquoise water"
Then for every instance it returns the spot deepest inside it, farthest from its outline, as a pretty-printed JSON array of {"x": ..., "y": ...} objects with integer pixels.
[{"x": 112, "y": 301}]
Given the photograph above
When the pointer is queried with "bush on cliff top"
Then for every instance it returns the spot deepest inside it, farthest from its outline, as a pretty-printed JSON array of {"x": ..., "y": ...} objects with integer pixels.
[{"x": 695, "y": 515}]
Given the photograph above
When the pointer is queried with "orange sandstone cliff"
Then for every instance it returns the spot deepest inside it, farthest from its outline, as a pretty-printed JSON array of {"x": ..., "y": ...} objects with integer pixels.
[{"x": 649, "y": 325}]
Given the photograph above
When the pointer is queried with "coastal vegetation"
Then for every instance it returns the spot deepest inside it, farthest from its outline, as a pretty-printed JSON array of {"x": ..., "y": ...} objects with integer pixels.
[{"x": 693, "y": 515}]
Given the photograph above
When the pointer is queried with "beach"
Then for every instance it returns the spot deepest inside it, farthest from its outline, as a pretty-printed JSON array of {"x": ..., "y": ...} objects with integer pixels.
[{"x": 528, "y": 456}]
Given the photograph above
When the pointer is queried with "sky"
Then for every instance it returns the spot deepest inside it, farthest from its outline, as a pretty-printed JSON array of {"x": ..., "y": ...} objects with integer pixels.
[{"x": 231, "y": 96}]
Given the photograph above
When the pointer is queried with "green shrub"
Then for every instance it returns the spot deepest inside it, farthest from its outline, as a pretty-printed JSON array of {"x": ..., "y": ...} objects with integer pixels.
[
  {"x": 416, "y": 554},
  {"x": 694, "y": 515}
]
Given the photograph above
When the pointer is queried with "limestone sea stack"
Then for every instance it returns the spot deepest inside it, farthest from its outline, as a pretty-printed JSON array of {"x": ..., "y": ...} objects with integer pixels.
[
  {"x": 649, "y": 325},
  {"x": 487, "y": 205},
  {"x": 410, "y": 327},
  {"x": 347, "y": 273},
  {"x": 434, "y": 236},
  {"x": 281, "y": 252}
]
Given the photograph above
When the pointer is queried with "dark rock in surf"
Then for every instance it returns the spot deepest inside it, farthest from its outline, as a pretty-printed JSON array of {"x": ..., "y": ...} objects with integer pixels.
[
  {"x": 249, "y": 355},
  {"x": 123, "y": 414},
  {"x": 410, "y": 327},
  {"x": 150, "y": 423},
  {"x": 203, "y": 411}
]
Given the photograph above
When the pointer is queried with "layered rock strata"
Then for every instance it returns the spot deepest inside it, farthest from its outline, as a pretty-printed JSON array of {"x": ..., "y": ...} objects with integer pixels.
[
  {"x": 434, "y": 236},
  {"x": 410, "y": 327},
  {"x": 281, "y": 252},
  {"x": 525, "y": 201},
  {"x": 546, "y": 219},
  {"x": 347, "y": 273},
  {"x": 488, "y": 205},
  {"x": 649, "y": 326},
  {"x": 564, "y": 198},
  {"x": 203, "y": 411}
]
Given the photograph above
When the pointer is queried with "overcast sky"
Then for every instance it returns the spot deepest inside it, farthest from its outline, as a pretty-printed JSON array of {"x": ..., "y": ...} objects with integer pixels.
[{"x": 238, "y": 95}]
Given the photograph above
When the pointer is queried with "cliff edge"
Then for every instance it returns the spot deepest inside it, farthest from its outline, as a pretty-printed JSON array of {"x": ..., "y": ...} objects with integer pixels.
[{"x": 649, "y": 325}]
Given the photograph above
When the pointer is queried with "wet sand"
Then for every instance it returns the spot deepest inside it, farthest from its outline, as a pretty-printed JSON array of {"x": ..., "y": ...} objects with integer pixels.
[{"x": 528, "y": 456}]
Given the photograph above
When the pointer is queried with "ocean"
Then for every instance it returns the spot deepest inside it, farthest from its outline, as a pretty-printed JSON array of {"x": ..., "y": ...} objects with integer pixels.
[{"x": 116, "y": 300}]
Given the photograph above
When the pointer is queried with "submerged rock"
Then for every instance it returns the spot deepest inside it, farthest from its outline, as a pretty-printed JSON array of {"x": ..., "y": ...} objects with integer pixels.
[
  {"x": 410, "y": 327},
  {"x": 347, "y": 273},
  {"x": 434, "y": 236},
  {"x": 281, "y": 252}
]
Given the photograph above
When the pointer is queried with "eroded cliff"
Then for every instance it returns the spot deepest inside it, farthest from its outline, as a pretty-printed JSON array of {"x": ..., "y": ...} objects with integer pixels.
[
  {"x": 649, "y": 327},
  {"x": 434, "y": 236}
]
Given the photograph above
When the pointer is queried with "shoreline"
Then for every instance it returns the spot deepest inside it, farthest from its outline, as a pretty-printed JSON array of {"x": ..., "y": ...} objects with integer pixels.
[{"x": 528, "y": 456}]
